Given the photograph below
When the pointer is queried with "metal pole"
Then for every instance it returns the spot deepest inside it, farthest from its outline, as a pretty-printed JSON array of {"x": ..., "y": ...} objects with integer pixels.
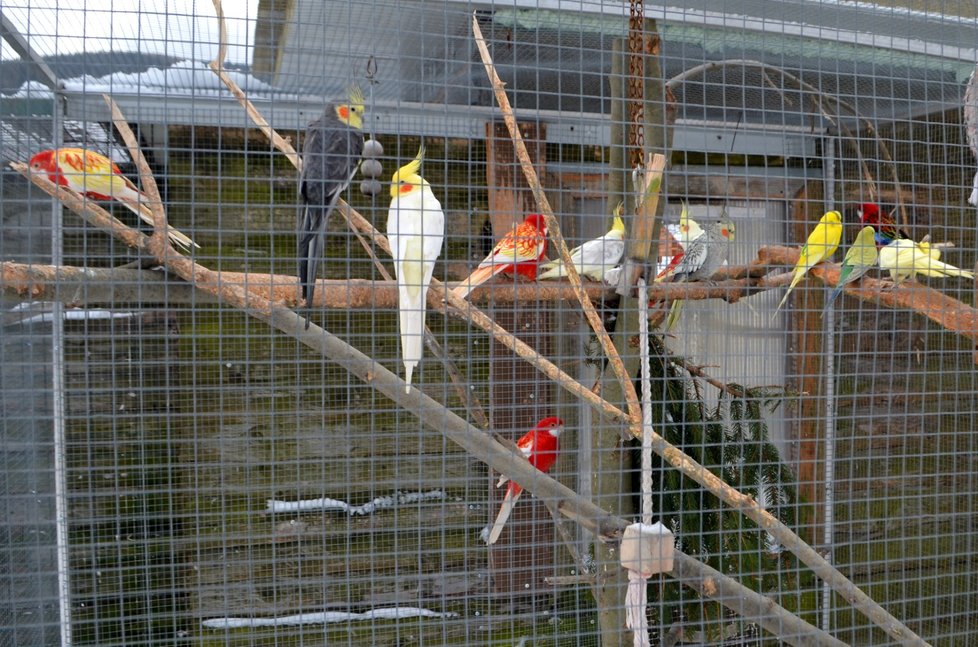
[
  {"x": 58, "y": 402},
  {"x": 830, "y": 405}
]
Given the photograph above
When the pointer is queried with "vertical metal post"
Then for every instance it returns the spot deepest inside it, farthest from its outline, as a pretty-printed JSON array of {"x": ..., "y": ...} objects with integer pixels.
[
  {"x": 830, "y": 404},
  {"x": 58, "y": 400}
]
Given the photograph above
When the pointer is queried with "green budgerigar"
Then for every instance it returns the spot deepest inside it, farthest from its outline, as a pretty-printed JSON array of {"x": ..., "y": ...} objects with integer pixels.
[{"x": 862, "y": 256}]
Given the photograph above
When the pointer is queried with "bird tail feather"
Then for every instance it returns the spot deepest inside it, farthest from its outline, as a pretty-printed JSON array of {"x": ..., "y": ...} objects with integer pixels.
[
  {"x": 411, "y": 314},
  {"x": 145, "y": 214},
  {"x": 477, "y": 278},
  {"x": 833, "y": 295},
  {"x": 937, "y": 268},
  {"x": 795, "y": 280},
  {"x": 505, "y": 510},
  {"x": 310, "y": 251},
  {"x": 675, "y": 310}
]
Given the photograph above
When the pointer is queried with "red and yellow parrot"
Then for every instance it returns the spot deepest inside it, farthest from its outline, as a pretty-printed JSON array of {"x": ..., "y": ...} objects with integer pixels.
[
  {"x": 539, "y": 446},
  {"x": 520, "y": 251},
  {"x": 886, "y": 228},
  {"x": 98, "y": 177}
]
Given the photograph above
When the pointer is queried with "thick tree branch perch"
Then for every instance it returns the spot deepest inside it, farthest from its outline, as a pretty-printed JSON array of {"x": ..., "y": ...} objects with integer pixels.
[{"x": 949, "y": 313}]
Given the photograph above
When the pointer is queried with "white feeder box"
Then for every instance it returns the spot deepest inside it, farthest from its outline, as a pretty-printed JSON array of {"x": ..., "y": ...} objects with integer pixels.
[{"x": 647, "y": 549}]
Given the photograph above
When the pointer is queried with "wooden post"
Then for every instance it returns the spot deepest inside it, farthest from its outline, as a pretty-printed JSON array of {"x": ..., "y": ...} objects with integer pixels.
[
  {"x": 612, "y": 488},
  {"x": 524, "y": 554},
  {"x": 806, "y": 372},
  {"x": 510, "y": 198}
]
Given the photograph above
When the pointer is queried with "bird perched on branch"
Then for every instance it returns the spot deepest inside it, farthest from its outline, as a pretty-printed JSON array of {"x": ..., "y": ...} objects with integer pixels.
[
  {"x": 330, "y": 155},
  {"x": 595, "y": 257},
  {"x": 882, "y": 222},
  {"x": 703, "y": 255},
  {"x": 821, "y": 244},
  {"x": 685, "y": 232},
  {"x": 700, "y": 260},
  {"x": 860, "y": 258},
  {"x": 905, "y": 259},
  {"x": 416, "y": 231},
  {"x": 520, "y": 252},
  {"x": 539, "y": 446},
  {"x": 98, "y": 177}
]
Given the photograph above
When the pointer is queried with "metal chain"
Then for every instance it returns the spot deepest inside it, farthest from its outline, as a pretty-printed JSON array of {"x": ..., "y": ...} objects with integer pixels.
[{"x": 636, "y": 82}]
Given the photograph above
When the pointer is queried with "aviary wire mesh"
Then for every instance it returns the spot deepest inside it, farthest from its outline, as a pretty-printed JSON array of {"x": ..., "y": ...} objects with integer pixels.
[{"x": 177, "y": 471}]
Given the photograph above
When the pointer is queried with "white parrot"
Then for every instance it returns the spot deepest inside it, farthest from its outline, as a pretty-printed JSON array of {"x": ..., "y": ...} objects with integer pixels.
[
  {"x": 416, "y": 231},
  {"x": 904, "y": 259},
  {"x": 595, "y": 257}
]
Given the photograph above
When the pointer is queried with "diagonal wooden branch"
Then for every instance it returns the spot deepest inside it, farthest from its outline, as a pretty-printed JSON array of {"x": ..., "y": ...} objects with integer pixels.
[
  {"x": 553, "y": 227},
  {"x": 217, "y": 66},
  {"x": 159, "y": 243}
]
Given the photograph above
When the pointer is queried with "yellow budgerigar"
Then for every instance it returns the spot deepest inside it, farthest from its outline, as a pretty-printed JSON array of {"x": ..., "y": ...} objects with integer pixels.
[{"x": 821, "y": 244}]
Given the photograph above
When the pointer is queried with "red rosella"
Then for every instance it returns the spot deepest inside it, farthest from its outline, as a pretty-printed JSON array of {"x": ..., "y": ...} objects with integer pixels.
[
  {"x": 98, "y": 177},
  {"x": 520, "y": 251},
  {"x": 539, "y": 446},
  {"x": 886, "y": 228}
]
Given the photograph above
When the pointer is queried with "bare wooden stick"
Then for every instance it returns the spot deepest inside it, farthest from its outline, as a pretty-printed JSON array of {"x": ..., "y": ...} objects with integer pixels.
[
  {"x": 159, "y": 243},
  {"x": 553, "y": 228},
  {"x": 217, "y": 66}
]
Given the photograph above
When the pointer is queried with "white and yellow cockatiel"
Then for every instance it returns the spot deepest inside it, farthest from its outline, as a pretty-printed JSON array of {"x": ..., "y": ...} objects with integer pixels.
[
  {"x": 904, "y": 259},
  {"x": 416, "y": 230},
  {"x": 594, "y": 258}
]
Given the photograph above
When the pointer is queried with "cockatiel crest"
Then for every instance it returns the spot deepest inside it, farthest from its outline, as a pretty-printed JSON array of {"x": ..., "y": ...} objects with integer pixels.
[{"x": 406, "y": 179}]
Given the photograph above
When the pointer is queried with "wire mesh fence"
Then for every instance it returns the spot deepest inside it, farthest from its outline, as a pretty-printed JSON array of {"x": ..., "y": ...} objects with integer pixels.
[{"x": 186, "y": 461}]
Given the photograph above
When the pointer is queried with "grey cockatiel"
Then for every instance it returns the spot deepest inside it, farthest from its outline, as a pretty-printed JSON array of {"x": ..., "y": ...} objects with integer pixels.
[
  {"x": 701, "y": 259},
  {"x": 330, "y": 155},
  {"x": 704, "y": 255}
]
